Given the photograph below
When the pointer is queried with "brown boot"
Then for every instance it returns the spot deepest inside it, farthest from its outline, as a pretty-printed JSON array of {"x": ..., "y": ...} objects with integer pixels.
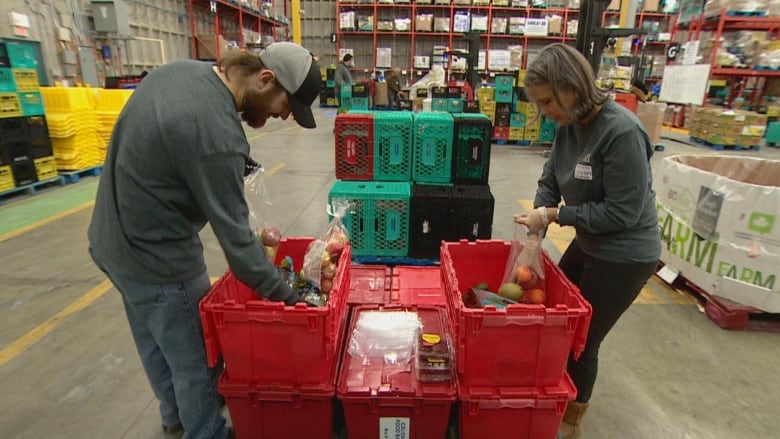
[{"x": 571, "y": 427}]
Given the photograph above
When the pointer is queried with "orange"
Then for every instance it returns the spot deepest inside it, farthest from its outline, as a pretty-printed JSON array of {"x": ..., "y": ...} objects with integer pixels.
[
  {"x": 523, "y": 274},
  {"x": 536, "y": 296}
]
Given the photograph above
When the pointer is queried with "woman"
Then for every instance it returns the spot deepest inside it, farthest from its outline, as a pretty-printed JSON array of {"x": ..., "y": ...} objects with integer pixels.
[{"x": 599, "y": 165}]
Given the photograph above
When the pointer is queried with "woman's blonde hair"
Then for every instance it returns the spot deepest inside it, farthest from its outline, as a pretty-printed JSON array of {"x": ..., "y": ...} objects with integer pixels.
[{"x": 563, "y": 68}]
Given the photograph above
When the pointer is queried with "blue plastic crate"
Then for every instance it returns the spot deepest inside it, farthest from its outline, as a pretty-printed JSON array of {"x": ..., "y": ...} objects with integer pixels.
[
  {"x": 432, "y": 151},
  {"x": 32, "y": 103},
  {"x": 391, "y": 208},
  {"x": 393, "y": 145},
  {"x": 359, "y": 218},
  {"x": 471, "y": 148}
]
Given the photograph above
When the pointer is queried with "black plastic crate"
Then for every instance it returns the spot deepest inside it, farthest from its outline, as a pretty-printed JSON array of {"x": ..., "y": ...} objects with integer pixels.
[
  {"x": 471, "y": 148},
  {"x": 359, "y": 90},
  {"x": 473, "y": 212},
  {"x": 24, "y": 172},
  {"x": 13, "y": 129},
  {"x": 431, "y": 220},
  {"x": 455, "y": 92},
  {"x": 503, "y": 108},
  {"x": 4, "y": 60},
  {"x": 502, "y": 119},
  {"x": 422, "y": 92},
  {"x": 14, "y": 152},
  {"x": 330, "y": 74},
  {"x": 40, "y": 147},
  {"x": 439, "y": 91},
  {"x": 471, "y": 106}
]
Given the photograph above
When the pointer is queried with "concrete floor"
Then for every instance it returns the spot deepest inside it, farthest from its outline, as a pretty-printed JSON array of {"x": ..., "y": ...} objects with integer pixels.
[{"x": 69, "y": 369}]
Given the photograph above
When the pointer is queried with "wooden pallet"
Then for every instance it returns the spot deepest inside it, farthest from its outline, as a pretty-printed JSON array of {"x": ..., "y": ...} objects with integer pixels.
[
  {"x": 725, "y": 313},
  {"x": 30, "y": 189},
  {"x": 74, "y": 176}
]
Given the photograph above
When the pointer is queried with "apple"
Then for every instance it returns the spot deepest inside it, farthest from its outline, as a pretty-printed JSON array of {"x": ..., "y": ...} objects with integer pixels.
[
  {"x": 271, "y": 236},
  {"x": 326, "y": 285},
  {"x": 329, "y": 271}
]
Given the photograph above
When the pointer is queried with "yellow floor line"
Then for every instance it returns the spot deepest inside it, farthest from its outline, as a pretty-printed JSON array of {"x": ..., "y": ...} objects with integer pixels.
[
  {"x": 648, "y": 297},
  {"x": 275, "y": 169},
  {"x": 43, "y": 222},
  {"x": 34, "y": 335}
]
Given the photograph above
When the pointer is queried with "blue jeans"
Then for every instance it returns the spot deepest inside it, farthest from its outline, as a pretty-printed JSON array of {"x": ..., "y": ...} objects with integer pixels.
[{"x": 166, "y": 327}]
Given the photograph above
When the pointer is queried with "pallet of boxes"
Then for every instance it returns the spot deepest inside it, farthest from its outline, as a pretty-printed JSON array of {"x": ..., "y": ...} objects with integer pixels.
[
  {"x": 26, "y": 157},
  {"x": 722, "y": 128},
  {"x": 719, "y": 224}
]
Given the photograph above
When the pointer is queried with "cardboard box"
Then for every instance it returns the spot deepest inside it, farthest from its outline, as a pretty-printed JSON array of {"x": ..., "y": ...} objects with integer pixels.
[
  {"x": 555, "y": 25},
  {"x": 651, "y": 114},
  {"x": 424, "y": 23},
  {"x": 380, "y": 93},
  {"x": 719, "y": 226},
  {"x": 650, "y": 5}
]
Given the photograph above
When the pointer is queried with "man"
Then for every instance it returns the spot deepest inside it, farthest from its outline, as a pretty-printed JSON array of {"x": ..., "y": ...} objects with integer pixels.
[
  {"x": 176, "y": 160},
  {"x": 343, "y": 75},
  {"x": 394, "y": 88}
]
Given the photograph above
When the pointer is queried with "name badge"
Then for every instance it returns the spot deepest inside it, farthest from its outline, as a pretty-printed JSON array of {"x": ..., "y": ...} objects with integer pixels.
[{"x": 583, "y": 172}]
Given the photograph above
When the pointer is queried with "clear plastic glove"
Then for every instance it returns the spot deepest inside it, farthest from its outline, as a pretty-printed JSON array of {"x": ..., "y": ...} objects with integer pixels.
[{"x": 532, "y": 220}]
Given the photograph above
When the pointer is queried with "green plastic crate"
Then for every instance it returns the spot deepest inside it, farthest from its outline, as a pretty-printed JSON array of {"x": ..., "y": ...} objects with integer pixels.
[
  {"x": 439, "y": 104},
  {"x": 7, "y": 82},
  {"x": 773, "y": 133},
  {"x": 517, "y": 120},
  {"x": 504, "y": 81},
  {"x": 471, "y": 148},
  {"x": 391, "y": 208},
  {"x": 359, "y": 218},
  {"x": 393, "y": 145},
  {"x": 21, "y": 56},
  {"x": 357, "y": 103},
  {"x": 32, "y": 103},
  {"x": 455, "y": 105},
  {"x": 432, "y": 150}
]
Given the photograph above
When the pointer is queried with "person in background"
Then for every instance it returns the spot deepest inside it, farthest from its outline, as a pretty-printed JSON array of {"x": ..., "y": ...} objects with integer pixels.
[
  {"x": 343, "y": 75},
  {"x": 394, "y": 94},
  {"x": 176, "y": 160},
  {"x": 599, "y": 165}
]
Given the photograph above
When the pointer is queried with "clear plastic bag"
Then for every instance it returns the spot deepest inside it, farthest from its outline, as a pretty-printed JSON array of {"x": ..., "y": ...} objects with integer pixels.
[
  {"x": 322, "y": 256},
  {"x": 388, "y": 337},
  {"x": 524, "y": 266},
  {"x": 259, "y": 203}
]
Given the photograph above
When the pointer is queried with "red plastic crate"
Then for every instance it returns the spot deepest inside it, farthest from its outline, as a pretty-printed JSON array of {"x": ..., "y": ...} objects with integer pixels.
[
  {"x": 534, "y": 341},
  {"x": 415, "y": 285},
  {"x": 516, "y": 413},
  {"x": 379, "y": 404},
  {"x": 259, "y": 413},
  {"x": 369, "y": 284},
  {"x": 501, "y": 133},
  {"x": 628, "y": 100},
  {"x": 270, "y": 343},
  {"x": 354, "y": 146}
]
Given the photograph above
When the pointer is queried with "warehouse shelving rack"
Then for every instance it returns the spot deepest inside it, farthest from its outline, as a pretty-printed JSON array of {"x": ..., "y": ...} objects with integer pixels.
[{"x": 230, "y": 19}]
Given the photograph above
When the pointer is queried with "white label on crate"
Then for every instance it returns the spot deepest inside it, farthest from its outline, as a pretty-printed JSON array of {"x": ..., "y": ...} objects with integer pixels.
[
  {"x": 536, "y": 27},
  {"x": 393, "y": 428}
]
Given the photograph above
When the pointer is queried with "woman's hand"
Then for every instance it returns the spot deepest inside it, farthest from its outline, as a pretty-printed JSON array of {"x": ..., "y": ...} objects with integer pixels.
[{"x": 532, "y": 220}]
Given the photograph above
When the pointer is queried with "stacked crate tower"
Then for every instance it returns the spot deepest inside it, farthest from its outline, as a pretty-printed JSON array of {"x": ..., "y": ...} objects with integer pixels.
[
  {"x": 413, "y": 180},
  {"x": 25, "y": 149}
]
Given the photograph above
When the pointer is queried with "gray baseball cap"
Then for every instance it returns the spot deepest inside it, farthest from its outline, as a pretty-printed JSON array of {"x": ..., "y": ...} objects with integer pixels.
[{"x": 298, "y": 73}]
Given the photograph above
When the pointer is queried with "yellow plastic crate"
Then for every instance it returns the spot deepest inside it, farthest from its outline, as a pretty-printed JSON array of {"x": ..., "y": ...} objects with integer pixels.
[
  {"x": 6, "y": 178},
  {"x": 67, "y": 99},
  {"x": 45, "y": 168},
  {"x": 111, "y": 101},
  {"x": 10, "y": 105},
  {"x": 26, "y": 79}
]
